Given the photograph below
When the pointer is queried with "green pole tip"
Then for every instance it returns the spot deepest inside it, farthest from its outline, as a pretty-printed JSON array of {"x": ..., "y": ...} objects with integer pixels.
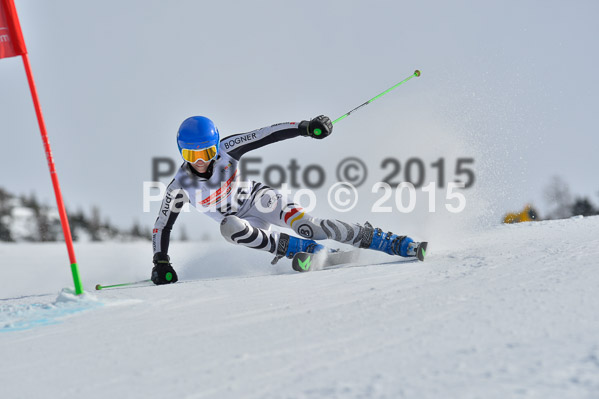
[
  {"x": 417, "y": 72},
  {"x": 168, "y": 276},
  {"x": 98, "y": 287},
  {"x": 317, "y": 132}
]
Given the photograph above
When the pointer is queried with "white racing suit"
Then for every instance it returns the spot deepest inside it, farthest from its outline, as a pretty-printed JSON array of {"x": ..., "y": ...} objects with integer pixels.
[{"x": 246, "y": 209}]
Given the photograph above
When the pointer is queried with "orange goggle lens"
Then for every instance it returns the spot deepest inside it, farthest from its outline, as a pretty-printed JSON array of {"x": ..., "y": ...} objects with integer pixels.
[{"x": 205, "y": 154}]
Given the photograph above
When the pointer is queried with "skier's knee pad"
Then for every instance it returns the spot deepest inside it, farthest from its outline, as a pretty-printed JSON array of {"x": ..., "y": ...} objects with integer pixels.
[{"x": 231, "y": 225}]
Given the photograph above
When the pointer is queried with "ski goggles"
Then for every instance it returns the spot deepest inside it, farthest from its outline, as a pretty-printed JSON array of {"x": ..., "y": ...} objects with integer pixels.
[{"x": 205, "y": 154}]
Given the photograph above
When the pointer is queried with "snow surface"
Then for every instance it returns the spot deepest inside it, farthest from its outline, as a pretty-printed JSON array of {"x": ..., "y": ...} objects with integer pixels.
[{"x": 512, "y": 313}]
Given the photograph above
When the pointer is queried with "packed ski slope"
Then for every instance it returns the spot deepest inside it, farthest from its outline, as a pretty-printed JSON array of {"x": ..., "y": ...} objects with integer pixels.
[{"x": 512, "y": 312}]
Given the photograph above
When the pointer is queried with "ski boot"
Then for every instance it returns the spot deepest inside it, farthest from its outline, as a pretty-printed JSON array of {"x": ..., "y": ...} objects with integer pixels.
[
  {"x": 392, "y": 244},
  {"x": 289, "y": 246}
]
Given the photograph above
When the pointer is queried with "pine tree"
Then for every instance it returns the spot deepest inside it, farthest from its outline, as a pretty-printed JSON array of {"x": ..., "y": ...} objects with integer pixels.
[
  {"x": 43, "y": 224},
  {"x": 557, "y": 194},
  {"x": 95, "y": 224},
  {"x": 5, "y": 212},
  {"x": 583, "y": 206}
]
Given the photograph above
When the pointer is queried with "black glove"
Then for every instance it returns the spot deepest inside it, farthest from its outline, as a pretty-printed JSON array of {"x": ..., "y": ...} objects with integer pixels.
[
  {"x": 318, "y": 128},
  {"x": 163, "y": 272}
]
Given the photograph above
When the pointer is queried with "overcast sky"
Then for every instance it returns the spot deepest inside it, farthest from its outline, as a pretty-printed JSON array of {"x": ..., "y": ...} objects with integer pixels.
[{"x": 512, "y": 84}]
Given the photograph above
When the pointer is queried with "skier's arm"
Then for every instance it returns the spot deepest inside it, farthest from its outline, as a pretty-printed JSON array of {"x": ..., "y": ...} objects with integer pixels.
[
  {"x": 172, "y": 203},
  {"x": 239, "y": 144}
]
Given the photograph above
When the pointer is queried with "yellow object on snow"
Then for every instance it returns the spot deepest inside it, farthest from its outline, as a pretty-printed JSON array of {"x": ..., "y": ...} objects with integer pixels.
[{"x": 529, "y": 214}]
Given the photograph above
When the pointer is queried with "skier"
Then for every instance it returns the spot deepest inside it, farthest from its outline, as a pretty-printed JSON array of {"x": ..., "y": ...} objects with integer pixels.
[{"x": 209, "y": 180}]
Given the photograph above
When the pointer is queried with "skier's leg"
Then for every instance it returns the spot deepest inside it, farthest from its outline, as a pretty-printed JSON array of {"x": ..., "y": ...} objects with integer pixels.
[
  {"x": 353, "y": 234},
  {"x": 266, "y": 208},
  {"x": 272, "y": 207},
  {"x": 357, "y": 235},
  {"x": 240, "y": 231}
]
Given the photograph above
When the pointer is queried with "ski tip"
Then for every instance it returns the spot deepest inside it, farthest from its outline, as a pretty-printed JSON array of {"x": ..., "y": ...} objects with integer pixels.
[
  {"x": 98, "y": 287},
  {"x": 302, "y": 262},
  {"x": 421, "y": 251}
]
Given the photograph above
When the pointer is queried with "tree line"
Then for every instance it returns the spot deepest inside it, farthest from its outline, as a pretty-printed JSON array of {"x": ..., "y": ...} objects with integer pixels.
[
  {"x": 563, "y": 204},
  {"x": 24, "y": 218}
]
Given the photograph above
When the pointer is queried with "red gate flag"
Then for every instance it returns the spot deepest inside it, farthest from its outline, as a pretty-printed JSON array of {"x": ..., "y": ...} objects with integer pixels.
[
  {"x": 11, "y": 38},
  {"x": 12, "y": 44}
]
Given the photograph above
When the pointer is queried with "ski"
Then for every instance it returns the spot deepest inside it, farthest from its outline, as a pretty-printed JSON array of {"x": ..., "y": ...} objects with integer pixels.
[
  {"x": 304, "y": 261},
  {"x": 421, "y": 251}
]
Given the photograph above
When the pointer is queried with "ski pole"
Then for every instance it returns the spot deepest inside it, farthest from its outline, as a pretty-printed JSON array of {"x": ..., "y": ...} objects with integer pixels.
[
  {"x": 100, "y": 287},
  {"x": 416, "y": 73}
]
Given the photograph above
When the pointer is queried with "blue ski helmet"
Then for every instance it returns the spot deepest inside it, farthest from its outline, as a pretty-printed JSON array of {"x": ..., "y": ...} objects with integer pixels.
[{"x": 196, "y": 133}]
